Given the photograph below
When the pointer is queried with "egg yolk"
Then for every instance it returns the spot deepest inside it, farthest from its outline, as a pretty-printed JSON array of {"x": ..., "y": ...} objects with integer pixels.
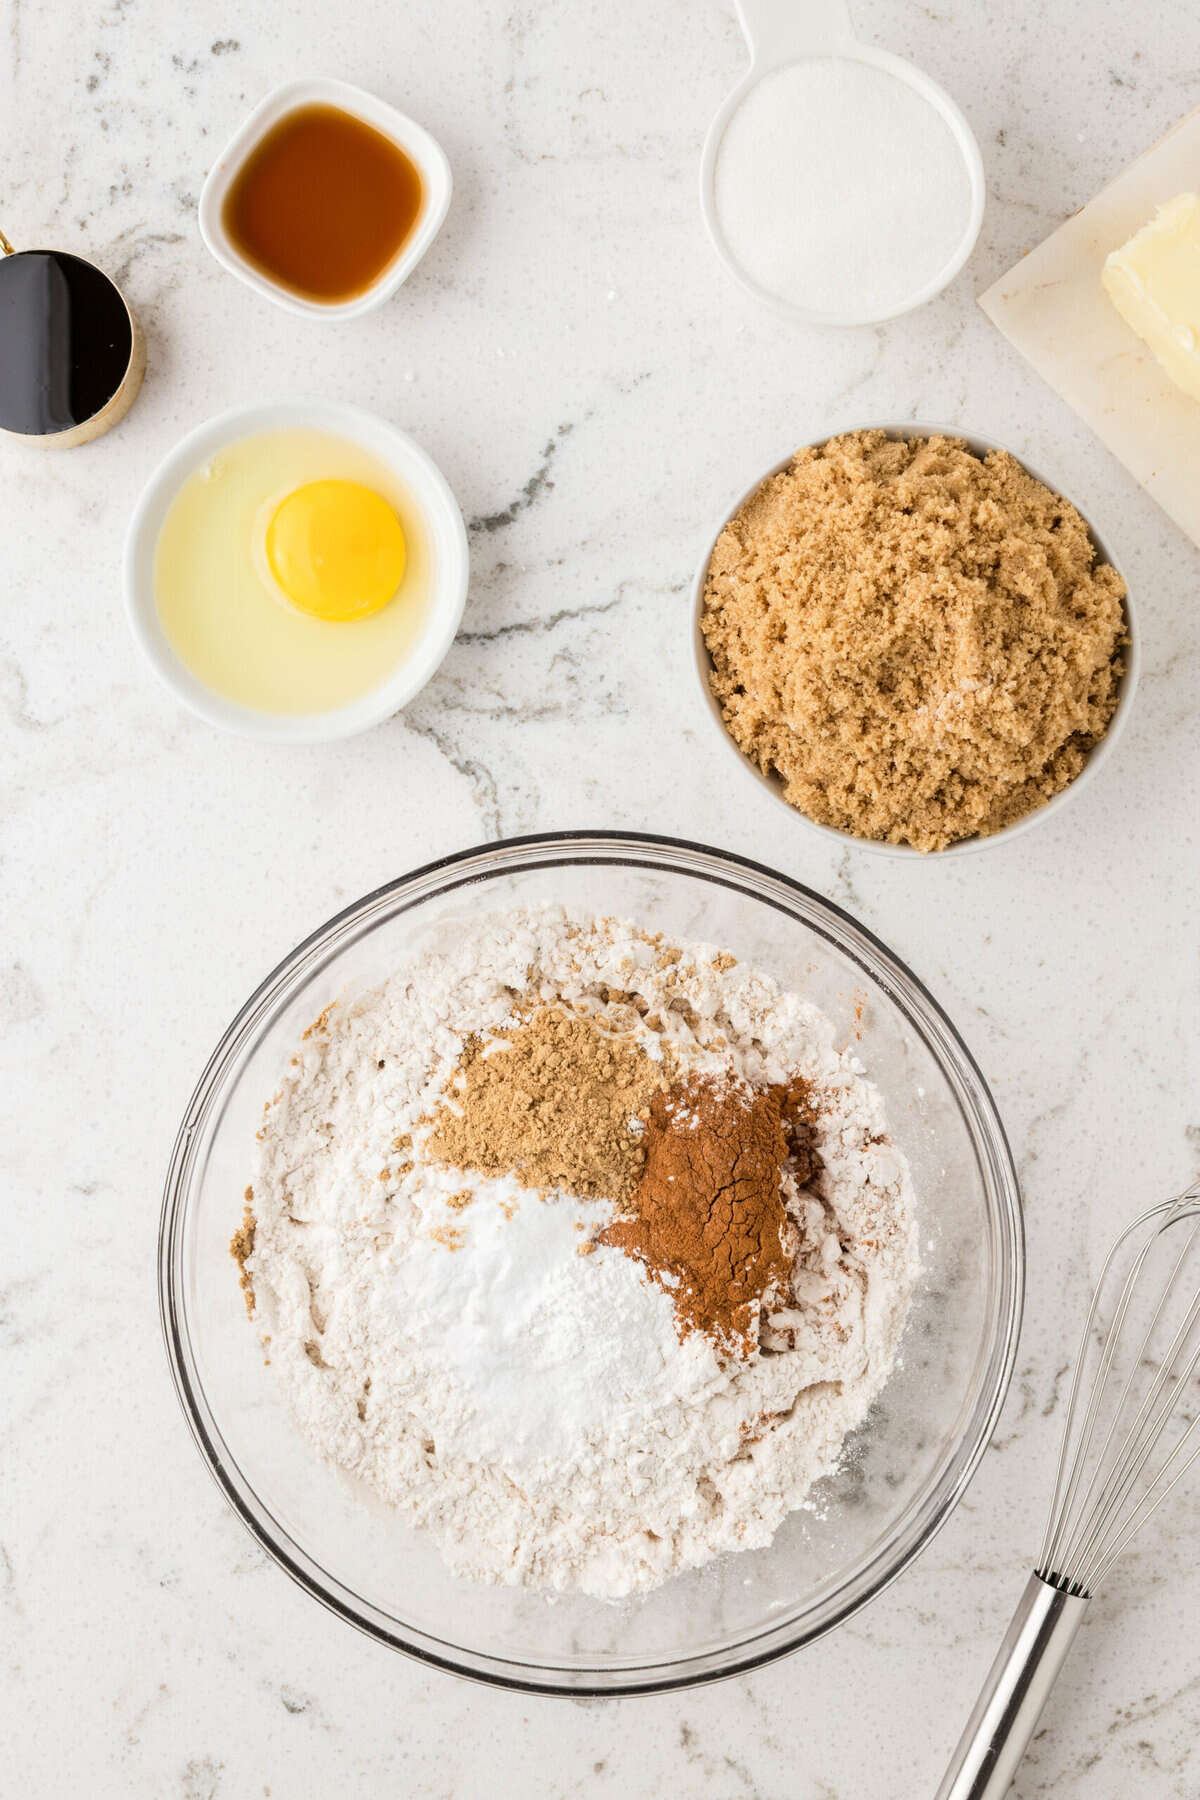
[{"x": 336, "y": 550}]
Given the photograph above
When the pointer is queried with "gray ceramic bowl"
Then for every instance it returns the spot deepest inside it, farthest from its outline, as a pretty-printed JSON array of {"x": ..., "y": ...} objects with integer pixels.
[{"x": 772, "y": 784}]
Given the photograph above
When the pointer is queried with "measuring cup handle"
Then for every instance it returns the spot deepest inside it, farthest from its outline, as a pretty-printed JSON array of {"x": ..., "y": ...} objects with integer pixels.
[{"x": 776, "y": 28}]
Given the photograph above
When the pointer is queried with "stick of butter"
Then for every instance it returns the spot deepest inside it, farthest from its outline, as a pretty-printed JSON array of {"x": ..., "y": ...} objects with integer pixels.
[{"x": 1154, "y": 283}]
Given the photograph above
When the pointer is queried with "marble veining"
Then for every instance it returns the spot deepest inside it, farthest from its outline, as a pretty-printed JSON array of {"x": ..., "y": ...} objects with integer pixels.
[{"x": 597, "y": 392}]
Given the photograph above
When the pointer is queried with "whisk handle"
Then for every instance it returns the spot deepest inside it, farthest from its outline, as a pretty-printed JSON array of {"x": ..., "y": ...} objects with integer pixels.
[{"x": 1018, "y": 1686}]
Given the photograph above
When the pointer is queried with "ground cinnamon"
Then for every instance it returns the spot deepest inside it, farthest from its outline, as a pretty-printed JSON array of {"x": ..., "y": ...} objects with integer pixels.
[{"x": 707, "y": 1217}]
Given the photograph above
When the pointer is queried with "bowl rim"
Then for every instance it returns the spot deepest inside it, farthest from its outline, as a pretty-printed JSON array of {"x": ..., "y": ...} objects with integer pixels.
[
  {"x": 978, "y": 445},
  {"x": 432, "y": 493},
  {"x": 430, "y": 159},
  {"x": 673, "y": 856}
]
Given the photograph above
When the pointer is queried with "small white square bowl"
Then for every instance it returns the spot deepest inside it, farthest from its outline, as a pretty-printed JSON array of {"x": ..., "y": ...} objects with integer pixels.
[{"x": 424, "y": 151}]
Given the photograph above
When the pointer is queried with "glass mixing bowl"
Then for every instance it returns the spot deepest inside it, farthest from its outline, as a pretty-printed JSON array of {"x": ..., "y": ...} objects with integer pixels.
[{"x": 903, "y": 1471}]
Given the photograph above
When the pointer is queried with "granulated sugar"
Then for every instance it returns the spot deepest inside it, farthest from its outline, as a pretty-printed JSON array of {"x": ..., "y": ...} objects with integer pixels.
[
  {"x": 840, "y": 188},
  {"x": 473, "y": 1350}
]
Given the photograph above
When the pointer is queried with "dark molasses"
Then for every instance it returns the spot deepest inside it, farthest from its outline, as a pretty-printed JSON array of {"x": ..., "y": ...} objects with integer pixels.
[{"x": 66, "y": 342}]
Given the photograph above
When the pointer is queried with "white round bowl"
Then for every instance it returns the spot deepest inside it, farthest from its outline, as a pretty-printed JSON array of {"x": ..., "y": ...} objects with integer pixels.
[
  {"x": 422, "y": 150},
  {"x": 774, "y": 786},
  {"x": 448, "y": 550},
  {"x": 778, "y": 36}
]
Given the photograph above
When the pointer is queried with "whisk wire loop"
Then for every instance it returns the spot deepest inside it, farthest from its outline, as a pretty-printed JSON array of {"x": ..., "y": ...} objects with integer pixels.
[
  {"x": 1149, "y": 1503},
  {"x": 1062, "y": 1504},
  {"x": 1091, "y": 1517},
  {"x": 1140, "y": 1444},
  {"x": 1116, "y": 1471},
  {"x": 1108, "y": 1481}
]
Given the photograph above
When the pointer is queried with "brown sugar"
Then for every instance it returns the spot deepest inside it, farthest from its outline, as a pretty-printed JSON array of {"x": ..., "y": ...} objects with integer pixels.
[
  {"x": 448, "y": 1236},
  {"x": 554, "y": 1100},
  {"x": 241, "y": 1248},
  {"x": 919, "y": 643}
]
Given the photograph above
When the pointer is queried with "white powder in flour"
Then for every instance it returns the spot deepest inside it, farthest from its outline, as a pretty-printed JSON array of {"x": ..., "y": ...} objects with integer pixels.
[
  {"x": 840, "y": 188},
  {"x": 439, "y": 1335}
]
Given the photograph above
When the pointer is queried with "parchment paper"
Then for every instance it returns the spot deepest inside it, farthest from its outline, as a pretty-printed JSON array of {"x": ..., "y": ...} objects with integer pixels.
[{"x": 1052, "y": 308}]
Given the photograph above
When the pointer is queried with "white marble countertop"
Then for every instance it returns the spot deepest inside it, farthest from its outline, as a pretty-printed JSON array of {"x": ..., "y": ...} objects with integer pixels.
[{"x": 596, "y": 391}]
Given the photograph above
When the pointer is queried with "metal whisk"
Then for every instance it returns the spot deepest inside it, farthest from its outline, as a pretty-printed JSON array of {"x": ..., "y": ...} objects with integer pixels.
[{"x": 1132, "y": 1432}]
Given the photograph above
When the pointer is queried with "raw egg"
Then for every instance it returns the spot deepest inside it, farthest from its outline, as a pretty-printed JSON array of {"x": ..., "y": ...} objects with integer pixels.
[
  {"x": 293, "y": 572},
  {"x": 336, "y": 549}
]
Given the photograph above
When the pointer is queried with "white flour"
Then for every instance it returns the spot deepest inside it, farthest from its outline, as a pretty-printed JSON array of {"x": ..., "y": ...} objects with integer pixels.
[
  {"x": 534, "y": 1408},
  {"x": 840, "y": 188}
]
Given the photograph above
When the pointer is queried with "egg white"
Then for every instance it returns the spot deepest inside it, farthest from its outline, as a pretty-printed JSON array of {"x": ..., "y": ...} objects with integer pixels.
[{"x": 221, "y": 609}]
